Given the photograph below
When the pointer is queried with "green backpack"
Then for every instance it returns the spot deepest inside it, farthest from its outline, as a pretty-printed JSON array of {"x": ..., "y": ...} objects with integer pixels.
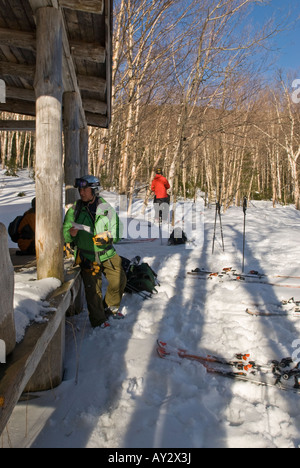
[{"x": 140, "y": 277}]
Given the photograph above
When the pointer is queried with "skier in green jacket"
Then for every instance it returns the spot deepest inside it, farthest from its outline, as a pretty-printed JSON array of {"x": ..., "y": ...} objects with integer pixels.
[{"x": 92, "y": 225}]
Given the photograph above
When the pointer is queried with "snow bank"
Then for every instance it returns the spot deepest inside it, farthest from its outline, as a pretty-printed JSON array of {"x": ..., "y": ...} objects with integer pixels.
[{"x": 30, "y": 306}]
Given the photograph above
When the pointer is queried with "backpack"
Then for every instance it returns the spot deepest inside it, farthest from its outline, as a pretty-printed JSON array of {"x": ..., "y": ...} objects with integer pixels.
[
  {"x": 177, "y": 237},
  {"x": 140, "y": 276},
  {"x": 13, "y": 228}
]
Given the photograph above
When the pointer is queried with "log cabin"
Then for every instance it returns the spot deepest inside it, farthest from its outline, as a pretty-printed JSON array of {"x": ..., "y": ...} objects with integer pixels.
[
  {"x": 55, "y": 67},
  {"x": 55, "y": 61}
]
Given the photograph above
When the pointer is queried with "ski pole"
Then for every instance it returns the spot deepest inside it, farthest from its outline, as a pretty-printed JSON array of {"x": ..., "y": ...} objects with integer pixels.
[
  {"x": 160, "y": 225},
  {"x": 213, "y": 246},
  {"x": 221, "y": 227},
  {"x": 244, "y": 235},
  {"x": 218, "y": 213}
]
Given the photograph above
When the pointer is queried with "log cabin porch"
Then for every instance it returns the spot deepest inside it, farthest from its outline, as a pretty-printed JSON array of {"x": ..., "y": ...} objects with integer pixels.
[{"x": 55, "y": 67}]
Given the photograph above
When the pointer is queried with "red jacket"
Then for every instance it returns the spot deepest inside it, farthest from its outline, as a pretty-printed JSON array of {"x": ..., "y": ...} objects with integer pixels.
[{"x": 159, "y": 186}]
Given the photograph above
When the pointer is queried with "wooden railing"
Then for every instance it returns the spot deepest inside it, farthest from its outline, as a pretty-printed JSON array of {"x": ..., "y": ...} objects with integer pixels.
[{"x": 36, "y": 363}]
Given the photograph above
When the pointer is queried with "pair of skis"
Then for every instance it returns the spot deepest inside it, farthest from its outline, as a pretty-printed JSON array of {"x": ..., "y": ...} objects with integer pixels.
[
  {"x": 252, "y": 277},
  {"x": 270, "y": 312},
  {"x": 285, "y": 308},
  {"x": 256, "y": 309},
  {"x": 284, "y": 374},
  {"x": 262, "y": 313},
  {"x": 231, "y": 271}
]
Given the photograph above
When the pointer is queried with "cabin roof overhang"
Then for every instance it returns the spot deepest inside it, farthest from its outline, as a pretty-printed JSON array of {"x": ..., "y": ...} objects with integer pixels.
[{"x": 87, "y": 55}]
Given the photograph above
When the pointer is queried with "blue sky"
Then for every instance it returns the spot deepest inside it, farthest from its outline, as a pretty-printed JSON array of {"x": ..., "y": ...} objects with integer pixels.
[{"x": 286, "y": 45}]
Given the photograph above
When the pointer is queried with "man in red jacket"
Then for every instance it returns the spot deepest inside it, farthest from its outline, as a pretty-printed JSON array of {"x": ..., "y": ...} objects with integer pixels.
[{"x": 159, "y": 186}]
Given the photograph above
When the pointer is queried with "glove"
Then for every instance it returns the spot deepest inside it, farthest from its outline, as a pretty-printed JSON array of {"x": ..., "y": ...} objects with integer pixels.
[
  {"x": 96, "y": 268},
  {"x": 103, "y": 238}
]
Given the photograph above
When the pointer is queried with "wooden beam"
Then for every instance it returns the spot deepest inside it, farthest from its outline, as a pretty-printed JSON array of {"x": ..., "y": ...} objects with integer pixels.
[
  {"x": 96, "y": 120},
  {"x": 18, "y": 70},
  {"x": 13, "y": 38},
  {"x": 17, "y": 125},
  {"x": 20, "y": 93},
  {"x": 94, "y": 106},
  {"x": 36, "y": 4},
  {"x": 90, "y": 6},
  {"x": 92, "y": 83},
  {"x": 17, "y": 106},
  {"x": 91, "y": 52},
  {"x": 28, "y": 97}
]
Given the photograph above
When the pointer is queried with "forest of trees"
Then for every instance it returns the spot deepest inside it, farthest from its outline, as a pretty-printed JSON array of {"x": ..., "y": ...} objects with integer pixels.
[{"x": 191, "y": 94}]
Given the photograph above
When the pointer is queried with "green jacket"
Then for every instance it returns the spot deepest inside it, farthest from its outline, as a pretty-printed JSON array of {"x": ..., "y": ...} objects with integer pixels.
[{"x": 106, "y": 220}]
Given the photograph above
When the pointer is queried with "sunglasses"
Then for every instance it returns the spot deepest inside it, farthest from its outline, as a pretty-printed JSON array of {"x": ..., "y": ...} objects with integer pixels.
[{"x": 80, "y": 183}]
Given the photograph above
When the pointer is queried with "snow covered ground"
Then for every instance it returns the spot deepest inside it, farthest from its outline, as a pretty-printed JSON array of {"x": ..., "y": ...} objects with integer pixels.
[{"x": 117, "y": 393}]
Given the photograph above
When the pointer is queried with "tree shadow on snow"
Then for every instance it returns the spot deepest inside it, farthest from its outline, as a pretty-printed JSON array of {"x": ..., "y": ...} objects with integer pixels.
[
  {"x": 171, "y": 396},
  {"x": 187, "y": 396},
  {"x": 180, "y": 399}
]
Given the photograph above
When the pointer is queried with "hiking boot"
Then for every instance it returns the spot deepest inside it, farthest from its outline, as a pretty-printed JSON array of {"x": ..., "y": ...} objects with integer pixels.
[
  {"x": 114, "y": 313},
  {"x": 104, "y": 325},
  {"x": 118, "y": 316}
]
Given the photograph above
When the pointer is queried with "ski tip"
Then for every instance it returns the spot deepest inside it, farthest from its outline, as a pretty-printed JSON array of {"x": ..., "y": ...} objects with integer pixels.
[
  {"x": 161, "y": 352},
  {"x": 250, "y": 312},
  {"x": 161, "y": 344}
]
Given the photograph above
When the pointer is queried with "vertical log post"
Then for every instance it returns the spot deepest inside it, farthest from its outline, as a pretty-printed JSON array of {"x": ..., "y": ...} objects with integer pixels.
[
  {"x": 72, "y": 142},
  {"x": 7, "y": 321},
  {"x": 48, "y": 169},
  {"x": 84, "y": 151}
]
